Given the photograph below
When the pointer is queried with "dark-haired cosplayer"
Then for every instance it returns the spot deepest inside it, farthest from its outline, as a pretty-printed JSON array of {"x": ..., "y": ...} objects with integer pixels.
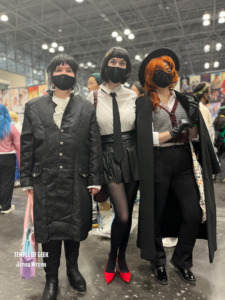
[
  {"x": 172, "y": 204},
  {"x": 61, "y": 164},
  {"x": 116, "y": 120}
]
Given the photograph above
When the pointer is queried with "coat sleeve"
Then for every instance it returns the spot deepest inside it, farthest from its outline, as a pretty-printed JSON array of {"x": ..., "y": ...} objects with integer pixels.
[
  {"x": 95, "y": 158},
  {"x": 27, "y": 151},
  {"x": 213, "y": 157}
]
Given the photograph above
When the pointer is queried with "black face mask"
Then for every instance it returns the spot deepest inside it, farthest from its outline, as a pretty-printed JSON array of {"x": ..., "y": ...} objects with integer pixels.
[
  {"x": 63, "y": 82},
  {"x": 162, "y": 79},
  {"x": 116, "y": 74}
]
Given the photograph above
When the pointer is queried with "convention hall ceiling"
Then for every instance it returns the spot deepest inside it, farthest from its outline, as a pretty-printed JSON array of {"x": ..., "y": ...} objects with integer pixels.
[{"x": 85, "y": 30}]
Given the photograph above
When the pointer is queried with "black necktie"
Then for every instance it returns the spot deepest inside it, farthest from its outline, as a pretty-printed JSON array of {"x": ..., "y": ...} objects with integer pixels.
[{"x": 118, "y": 144}]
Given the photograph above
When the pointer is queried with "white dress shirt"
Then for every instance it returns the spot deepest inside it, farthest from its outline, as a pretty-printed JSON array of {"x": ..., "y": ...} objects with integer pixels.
[{"x": 126, "y": 104}]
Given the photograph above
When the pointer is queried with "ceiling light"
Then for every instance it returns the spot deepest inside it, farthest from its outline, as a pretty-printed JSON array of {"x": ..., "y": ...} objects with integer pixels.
[
  {"x": 216, "y": 64},
  {"x": 60, "y": 30},
  {"x": 4, "y": 18},
  {"x": 221, "y": 20},
  {"x": 61, "y": 48},
  {"x": 206, "y": 17},
  {"x": 81, "y": 65},
  {"x": 93, "y": 66},
  {"x": 131, "y": 36},
  {"x": 51, "y": 50},
  {"x": 34, "y": 71},
  {"x": 218, "y": 46},
  {"x": 222, "y": 14},
  {"x": 127, "y": 31},
  {"x": 79, "y": 1},
  {"x": 206, "y": 48},
  {"x": 44, "y": 46},
  {"x": 137, "y": 57},
  {"x": 114, "y": 34},
  {"x": 206, "y": 65},
  {"x": 54, "y": 44},
  {"x": 85, "y": 67},
  {"x": 119, "y": 38},
  {"x": 89, "y": 64},
  {"x": 206, "y": 23}
]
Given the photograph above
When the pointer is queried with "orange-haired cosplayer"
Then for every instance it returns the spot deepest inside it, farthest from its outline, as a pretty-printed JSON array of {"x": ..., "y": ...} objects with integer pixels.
[{"x": 170, "y": 203}]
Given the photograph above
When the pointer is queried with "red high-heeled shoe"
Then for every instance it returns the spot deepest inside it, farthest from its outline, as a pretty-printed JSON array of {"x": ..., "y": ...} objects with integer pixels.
[
  {"x": 124, "y": 276},
  {"x": 109, "y": 276}
]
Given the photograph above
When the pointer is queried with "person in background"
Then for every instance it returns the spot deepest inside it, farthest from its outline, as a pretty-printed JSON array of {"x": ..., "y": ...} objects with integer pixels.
[
  {"x": 219, "y": 125},
  {"x": 173, "y": 202},
  {"x": 9, "y": 151},
  {"x": 115, "y": 109},
  {"x": 61, "y": 165},
  {"x": 202, "y": 93},
  {"x": 138, "y": 88},
  {"x": 94, "y": 82},
  {"x": 17, "y": 124}
]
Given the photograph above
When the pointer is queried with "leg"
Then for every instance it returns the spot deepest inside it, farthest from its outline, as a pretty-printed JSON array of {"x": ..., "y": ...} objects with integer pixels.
[
  {"x": 53, "y": 248},
  {"x": 8, "y": 165},
  {"x": 118, "y": 197},
  {"x": 131, "y": 192},
  {"x": 186, "y": 190},
  {"x": 72, "y": 253}
]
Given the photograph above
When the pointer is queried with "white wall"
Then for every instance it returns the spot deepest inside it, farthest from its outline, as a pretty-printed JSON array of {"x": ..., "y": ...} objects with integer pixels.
[{"x": 14, "y": 80}]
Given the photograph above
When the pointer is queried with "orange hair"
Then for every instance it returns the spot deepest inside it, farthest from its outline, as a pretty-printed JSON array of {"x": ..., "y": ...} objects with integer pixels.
[{"x": 157, "y": 63}]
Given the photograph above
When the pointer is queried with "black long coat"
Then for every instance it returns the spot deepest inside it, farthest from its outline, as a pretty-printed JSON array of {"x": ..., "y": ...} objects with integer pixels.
[
  {"x": 60, "y": 164},
  {"x": 172, "y": 219}
]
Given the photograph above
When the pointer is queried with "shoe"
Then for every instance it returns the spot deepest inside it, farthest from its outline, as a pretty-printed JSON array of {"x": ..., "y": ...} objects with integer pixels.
[
  {"x": 124, "y": 276},
  {"x": 9, "y": 210},
  {"x": 105, "y": 232},
  {"x": 95, "y": 223},
  {"x": 76, "y": 280},
  {"x": 17, "y": 183},
  {"x": 169, "y": 242},
  {"x": 185, "y": 273},
  {"x": 50, "y": 290},
  {"x": 160, "y": 274},
  {"x": 109, "y": 276}
]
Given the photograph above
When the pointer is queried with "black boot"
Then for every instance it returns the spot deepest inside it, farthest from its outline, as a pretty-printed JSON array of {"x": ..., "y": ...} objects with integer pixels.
[
  {"x": 51, "y": 289},
  {"x": 52, "y": 261},
  {"x": 76, "y": 280}
]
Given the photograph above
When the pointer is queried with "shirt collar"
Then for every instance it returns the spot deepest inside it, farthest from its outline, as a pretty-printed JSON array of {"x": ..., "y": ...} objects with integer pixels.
[
  {"x": 172, "y": 97},
  {"x": 117, "y": 90},
  {"x": 58, "y": 100}
]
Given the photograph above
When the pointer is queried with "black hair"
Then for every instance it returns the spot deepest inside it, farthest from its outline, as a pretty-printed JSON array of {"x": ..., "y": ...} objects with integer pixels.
[
  {"x": 60, "y": 59},
  {"x": 115, "y": 52},
  {"x": 201, "y": 89},
  {"x": 139, "y": 87}
]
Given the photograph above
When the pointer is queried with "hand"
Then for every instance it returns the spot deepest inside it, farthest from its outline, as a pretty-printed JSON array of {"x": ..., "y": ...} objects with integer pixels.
[
  {"x": 193, "y": 109},
  {"x": 29, "y": 192},
  {"x": 181, "y": 125},
  {"x": 93, "y": 191}
]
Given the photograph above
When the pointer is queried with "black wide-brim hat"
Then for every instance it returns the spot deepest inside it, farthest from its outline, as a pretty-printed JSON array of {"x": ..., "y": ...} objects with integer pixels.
[{"x": 157, "y": 53}]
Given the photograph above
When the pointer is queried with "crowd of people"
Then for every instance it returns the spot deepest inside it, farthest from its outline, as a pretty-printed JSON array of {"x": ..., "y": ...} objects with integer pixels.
[{"x": 119, "y": 140}]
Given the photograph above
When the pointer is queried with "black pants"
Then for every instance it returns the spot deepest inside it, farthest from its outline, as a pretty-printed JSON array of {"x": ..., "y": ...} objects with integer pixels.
[
  {"x": 173, "y": 170},
  {"x": 7, "y": 175},
  {"x": 53, "y": 248}
]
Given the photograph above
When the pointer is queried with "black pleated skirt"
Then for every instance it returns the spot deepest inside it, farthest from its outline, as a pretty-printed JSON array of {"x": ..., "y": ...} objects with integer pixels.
[{"x": 127, "y": 170}]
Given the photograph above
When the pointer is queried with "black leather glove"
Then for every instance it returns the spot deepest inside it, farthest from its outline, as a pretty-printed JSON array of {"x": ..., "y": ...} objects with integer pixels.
[
  {"x": 181, "y": 125},
  {"x": 193, "y": 109}
]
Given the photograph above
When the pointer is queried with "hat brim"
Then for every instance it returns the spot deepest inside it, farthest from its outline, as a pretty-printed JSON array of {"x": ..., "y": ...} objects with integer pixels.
[{"x": 157, "y": 53}]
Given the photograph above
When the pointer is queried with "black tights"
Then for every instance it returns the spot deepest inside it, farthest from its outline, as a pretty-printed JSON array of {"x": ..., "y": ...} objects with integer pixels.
[{"x": 122, "y": 196}]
